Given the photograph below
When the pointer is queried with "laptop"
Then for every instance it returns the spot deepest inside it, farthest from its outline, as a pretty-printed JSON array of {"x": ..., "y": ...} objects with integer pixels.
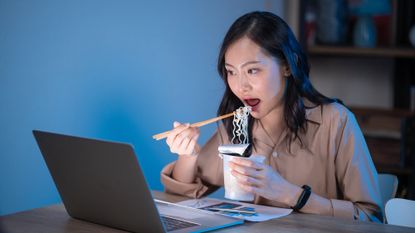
[{"x": 102, "y": 182}]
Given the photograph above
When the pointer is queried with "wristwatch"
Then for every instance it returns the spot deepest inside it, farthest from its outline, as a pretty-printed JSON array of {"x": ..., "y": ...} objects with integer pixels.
[{"x": 302, "y": 200}]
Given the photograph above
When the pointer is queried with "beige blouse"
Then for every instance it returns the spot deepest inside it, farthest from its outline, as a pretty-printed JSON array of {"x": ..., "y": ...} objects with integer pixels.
[{"x": 333, "y": 160}]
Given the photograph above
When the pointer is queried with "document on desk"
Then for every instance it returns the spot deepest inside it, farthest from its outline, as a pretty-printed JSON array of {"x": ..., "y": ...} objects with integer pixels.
[{"x": 241, "y": 210}]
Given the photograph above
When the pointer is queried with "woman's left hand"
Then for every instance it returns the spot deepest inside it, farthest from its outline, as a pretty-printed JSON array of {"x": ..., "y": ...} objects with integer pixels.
[{"x": 263, "y": 180}]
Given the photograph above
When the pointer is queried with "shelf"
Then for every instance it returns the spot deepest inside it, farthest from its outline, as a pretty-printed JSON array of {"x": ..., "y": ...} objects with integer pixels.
[
  {"x": 381, "y": 123},
  {"x": 381, "y": 168},
  {"x": 382, "y": 134},
  {"x": 389, "y": 133},
  {"x": 396, "y": 112},
  {"x": 356, "y": 51}
]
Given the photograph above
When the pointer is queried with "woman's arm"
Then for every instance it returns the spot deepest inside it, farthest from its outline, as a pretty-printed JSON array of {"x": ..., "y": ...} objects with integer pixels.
[
  {"x": 195, "y": 176},
  {"x": 185, "y": 169},
  {"x": 265, "y": 181},
  {"x": 356, "y": 178},
  {"x": 356, "y": 174},
  {"x": 358, "y": 203}
]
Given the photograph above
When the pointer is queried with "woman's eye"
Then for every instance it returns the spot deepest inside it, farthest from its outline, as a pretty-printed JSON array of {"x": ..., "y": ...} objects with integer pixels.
[
  {"x": 253, "y": 71},
  {"x": 230, "y": 72}
]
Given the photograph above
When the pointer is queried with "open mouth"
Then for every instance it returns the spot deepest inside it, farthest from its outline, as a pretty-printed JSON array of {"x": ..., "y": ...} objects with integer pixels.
[{"x": 252, "y": 102}]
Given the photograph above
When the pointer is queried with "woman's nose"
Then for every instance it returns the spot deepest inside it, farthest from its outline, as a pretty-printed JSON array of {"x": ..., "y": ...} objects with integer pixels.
[{"x": 244, "y": 84}]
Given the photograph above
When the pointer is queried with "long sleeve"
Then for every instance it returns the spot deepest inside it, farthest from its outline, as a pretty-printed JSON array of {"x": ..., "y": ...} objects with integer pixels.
[
  {"x": 355, "y": 174},
  {"x": 332, "y": 157},
  {"x": 209, "y": 174}
]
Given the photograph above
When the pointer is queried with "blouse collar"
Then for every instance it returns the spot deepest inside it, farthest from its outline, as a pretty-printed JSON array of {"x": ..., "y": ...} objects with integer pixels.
[{"x": 313, "y": 114}]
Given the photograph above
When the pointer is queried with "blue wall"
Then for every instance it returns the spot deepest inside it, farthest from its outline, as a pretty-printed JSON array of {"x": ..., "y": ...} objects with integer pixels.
[{"x": 118, "y": 70}]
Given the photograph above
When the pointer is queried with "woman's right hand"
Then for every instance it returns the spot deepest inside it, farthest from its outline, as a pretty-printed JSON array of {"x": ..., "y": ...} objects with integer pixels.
[{"x": 182, "y": 140}]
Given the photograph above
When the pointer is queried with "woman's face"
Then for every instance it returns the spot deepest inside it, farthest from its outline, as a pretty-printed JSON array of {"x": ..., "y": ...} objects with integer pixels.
[{"x": 257, "y": 79}]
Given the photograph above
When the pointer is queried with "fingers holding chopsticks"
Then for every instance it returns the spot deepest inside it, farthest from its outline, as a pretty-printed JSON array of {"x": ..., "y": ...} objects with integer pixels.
[{"x": 182, "y": 139}]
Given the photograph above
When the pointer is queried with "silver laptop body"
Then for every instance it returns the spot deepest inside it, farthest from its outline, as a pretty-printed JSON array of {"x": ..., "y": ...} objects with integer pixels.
[{"x": 102, "y": 182}]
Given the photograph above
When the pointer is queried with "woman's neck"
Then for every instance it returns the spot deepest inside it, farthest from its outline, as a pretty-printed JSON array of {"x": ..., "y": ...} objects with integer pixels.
[{"x": 273, "y": 123}]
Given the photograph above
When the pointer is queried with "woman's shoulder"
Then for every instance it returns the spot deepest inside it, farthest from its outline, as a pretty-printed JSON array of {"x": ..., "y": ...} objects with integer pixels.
[
  {"x": 328, "y": 112},
  {"x": 336, "y": 119},
  {"x": 335, "y": 112}
]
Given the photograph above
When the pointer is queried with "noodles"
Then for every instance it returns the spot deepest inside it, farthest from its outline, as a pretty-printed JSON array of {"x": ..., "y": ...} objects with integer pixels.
[{"x": 240, "y": 125}]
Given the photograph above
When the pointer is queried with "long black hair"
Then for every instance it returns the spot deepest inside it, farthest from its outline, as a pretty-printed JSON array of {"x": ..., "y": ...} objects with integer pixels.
[{"x": 276, "y": 39}]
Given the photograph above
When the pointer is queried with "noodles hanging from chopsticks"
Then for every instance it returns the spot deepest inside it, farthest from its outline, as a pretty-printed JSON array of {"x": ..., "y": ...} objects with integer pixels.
[{"x": 240, "y": 125}]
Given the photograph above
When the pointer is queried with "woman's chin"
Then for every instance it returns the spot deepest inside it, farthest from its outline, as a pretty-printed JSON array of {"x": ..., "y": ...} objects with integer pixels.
[{"x": 256, "y": 114}]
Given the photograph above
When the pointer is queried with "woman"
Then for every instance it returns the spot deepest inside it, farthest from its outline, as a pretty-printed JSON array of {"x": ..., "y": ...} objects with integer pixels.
[{"x": 317, "y": 160}]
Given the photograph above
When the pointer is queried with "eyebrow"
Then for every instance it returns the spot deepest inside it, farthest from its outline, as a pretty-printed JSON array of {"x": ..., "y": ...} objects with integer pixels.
[{"x": 246, "y": 63}]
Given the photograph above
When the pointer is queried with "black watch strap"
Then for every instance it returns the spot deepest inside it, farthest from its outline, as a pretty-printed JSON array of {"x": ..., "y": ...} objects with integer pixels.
[{"x": 302, "y": 200}]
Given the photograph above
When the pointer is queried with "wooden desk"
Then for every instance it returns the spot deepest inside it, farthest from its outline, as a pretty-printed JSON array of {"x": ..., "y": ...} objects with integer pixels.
[{"x": 54, "y": 219}]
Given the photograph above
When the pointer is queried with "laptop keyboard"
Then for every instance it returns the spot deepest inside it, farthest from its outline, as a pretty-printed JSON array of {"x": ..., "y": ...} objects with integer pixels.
[{"x": 172, "y": 224}]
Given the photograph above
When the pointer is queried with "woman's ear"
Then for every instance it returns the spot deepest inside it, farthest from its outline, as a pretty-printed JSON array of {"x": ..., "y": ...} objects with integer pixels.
[{"x": 286, "y": 70}]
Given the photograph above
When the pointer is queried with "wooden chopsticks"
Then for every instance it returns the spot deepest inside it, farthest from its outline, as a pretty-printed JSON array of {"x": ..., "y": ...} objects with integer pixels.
[{"x": 197, "y": 124}]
